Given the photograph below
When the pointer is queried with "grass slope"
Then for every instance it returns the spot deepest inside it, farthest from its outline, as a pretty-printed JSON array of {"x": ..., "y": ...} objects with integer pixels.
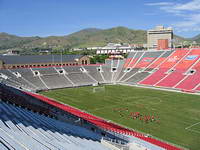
[
  {"x": 11, "y": 41},
  {"x": 175, "y": 110},
  {"x": 84, "y": 38}
]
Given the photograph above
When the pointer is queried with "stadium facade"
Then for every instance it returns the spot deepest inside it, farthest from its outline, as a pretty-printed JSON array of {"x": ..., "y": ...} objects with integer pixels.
[{"x": 17, "y": 61}]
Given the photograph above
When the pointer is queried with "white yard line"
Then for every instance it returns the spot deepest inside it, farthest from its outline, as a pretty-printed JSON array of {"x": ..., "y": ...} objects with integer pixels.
[
  {"x": 194, "y": 131},
  {"x": 192, "y": 125}
]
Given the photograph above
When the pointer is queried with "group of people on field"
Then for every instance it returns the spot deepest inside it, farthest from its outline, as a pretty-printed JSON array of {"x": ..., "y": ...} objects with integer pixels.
[{"x": 136, "y": 115}]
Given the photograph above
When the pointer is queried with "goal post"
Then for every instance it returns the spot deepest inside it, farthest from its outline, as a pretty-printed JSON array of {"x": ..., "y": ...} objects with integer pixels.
[{"x": 98, "y": 89}]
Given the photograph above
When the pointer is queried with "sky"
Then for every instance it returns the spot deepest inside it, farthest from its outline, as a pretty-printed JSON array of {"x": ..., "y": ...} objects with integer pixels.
[{"x": 62, "y": 17}]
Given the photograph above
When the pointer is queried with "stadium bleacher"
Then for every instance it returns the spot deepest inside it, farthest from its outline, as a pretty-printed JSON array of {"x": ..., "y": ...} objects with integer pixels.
[
  {"x": 168, "y": 69},
  {"x": 175, "y": 69},
  {"x": 153, "y": 68},
  {"x": 22, "y": 129},
  {"x": 93, "y": 71}
]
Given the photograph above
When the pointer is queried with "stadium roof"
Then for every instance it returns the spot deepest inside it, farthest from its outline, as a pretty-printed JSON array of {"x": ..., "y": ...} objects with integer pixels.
[{"x": 28, "y": 59}]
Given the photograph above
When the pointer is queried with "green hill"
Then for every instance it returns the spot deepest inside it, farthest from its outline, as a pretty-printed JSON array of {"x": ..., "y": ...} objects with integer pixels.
[
  {"x": 84, "y": 38},
  {"x": 11, "y": 41}
]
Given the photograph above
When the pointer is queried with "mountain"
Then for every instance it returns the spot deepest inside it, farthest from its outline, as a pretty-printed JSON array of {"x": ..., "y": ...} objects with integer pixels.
[
  {"x": 196, "y": 38},
  {"x": 84, "y": 38},
  {"x": 11, "y": 41}
]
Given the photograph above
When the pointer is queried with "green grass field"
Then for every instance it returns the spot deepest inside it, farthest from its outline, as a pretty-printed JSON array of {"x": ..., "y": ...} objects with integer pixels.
[{"x": 178, "y": 113}]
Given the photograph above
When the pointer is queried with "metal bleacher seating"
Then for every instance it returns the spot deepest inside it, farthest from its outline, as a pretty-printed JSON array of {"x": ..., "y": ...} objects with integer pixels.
[
  {"x": 94, "y": 72},
  {"x": 168, "y": 69},
  {"x": 22, "y": 129}
]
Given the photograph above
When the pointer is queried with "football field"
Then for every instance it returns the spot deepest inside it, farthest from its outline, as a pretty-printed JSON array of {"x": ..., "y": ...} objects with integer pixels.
[{"x": 170, "y": 116}]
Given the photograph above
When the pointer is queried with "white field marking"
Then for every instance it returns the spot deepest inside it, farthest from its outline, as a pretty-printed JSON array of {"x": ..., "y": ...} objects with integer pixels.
[
  {"x": 172, "y": 68},
  {"x": 192, "y": 125},
  {"x": 193, "y": 131},
  {"x": 128, "y": 66},
  {"x": 134, "y": 66},
  {"x": 187, "y": 74}
]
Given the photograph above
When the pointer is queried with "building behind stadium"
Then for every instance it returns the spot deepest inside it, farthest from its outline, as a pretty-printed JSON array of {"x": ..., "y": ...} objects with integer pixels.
[
  {"x": 17, "y": 61},
  {"x": 160, "y": 38}
]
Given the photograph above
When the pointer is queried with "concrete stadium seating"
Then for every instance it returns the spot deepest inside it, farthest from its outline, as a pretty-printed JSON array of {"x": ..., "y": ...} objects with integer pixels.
[
  {"x": 22, "y": 129},
  {"x": 56, "y": 81},
  {"x": 80, "y": 79},
  {"x": 106, "y": 71},
  {"x": 166, "y": 69},
  {"x": 46, "y": 70},
  {"x": 93, "y": 71}
]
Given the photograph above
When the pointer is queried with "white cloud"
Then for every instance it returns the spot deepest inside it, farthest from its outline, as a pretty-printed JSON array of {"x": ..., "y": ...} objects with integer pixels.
[
  {"x": 190, "y": 6},
  {"x": 188, "y": 12},
  {"x": 191, "y": 23},
  {"x": 159, "y": 4}
]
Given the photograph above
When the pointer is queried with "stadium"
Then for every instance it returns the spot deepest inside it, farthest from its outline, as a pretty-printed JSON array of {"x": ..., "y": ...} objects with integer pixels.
[{"x": 148, "y": 101}]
